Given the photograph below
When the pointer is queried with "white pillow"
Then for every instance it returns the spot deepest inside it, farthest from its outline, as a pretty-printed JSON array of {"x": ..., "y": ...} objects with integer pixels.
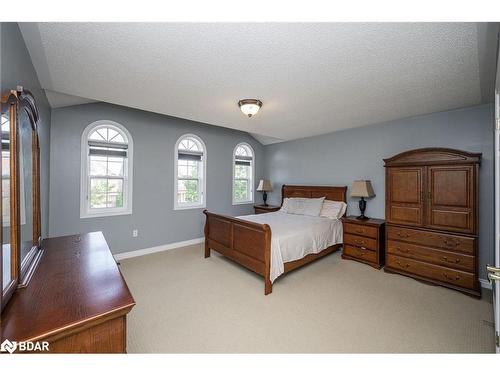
[
  {"x": 302, "y": 206},
  {"x": 333, "y": 209}
]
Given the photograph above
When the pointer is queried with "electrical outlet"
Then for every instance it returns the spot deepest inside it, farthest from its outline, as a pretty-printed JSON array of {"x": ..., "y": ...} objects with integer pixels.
[{"x": 135, "y": 233}]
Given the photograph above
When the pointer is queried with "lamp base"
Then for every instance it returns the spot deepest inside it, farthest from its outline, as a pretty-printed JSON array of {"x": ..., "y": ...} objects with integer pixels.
[
  {"x": 362, "y": 208},
  {"x": 264, "y": 197}
]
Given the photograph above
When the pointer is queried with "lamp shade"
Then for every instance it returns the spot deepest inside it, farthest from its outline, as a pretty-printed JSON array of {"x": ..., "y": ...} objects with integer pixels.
[
  {"x": 265, "y": 185},
  {"x": 362, "y": 188}
]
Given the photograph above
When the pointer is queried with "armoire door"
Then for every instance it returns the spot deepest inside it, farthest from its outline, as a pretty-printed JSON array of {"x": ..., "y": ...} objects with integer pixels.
[
  {"x": 451, "y": 197},
  {"x": 404, "y": 195}
]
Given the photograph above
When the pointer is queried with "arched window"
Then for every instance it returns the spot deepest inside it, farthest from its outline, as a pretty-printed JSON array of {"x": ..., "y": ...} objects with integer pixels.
[
  {"x": 243, "y": 173},
  {"x": 106, "y": 181},
  {"x": 190, "y": 171}
]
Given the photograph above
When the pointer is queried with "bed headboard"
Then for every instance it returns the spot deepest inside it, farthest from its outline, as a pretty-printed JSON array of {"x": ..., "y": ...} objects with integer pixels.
[{"x": 333, "y": 193}]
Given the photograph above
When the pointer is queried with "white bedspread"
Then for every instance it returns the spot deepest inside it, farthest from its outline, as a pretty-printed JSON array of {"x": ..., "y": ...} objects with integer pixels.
[{"x": 295, "y": 236}]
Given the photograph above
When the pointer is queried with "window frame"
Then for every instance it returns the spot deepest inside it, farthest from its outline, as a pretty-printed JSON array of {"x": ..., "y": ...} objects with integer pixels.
[
  {"x": 85, "y": 210},
  {"x": 252, "y": 181},
  {"x": 203, "y": 177},
  {"x": 22, "y": 200}
]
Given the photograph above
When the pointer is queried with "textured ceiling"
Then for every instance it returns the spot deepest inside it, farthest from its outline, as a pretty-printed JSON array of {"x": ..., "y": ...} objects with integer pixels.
[
  {"x": 312, "y": 78},
  {"x": 57, "y": 100}
]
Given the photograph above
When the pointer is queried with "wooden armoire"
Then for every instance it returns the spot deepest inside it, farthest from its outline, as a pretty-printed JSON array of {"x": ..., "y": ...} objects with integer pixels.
[{"x": 432, "y": 217}]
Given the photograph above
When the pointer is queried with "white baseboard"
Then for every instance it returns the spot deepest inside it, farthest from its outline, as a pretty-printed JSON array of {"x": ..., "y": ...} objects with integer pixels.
[
  {"x": 157, "y": 249},
  {"x": 485, "y": 284}
]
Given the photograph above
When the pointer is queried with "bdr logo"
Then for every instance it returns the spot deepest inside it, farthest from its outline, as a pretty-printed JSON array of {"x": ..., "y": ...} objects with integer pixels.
[{"x": 24, "y": 346}]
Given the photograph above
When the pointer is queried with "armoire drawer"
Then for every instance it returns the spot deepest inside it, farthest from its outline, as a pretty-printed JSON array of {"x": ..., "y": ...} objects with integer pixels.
[
  {"x": 357, "y": 252},
  {"x": 359, "y": 241},
  {"x": 361, "y": 230},
  {"x": 427, "y": 238},
  {"x": 430, "y": 255},
  {"x": 431, "y": 271}
]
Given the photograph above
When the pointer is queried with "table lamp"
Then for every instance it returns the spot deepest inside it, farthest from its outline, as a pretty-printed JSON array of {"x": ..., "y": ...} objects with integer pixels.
[{"x": 362, "y": 189}]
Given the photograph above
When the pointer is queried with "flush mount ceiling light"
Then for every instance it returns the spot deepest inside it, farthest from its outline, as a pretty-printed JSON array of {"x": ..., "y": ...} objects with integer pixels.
[{"x": 250, "y": 106}]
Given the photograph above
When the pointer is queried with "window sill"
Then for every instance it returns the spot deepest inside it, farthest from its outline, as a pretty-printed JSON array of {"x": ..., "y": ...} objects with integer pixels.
[
  {"x": 180, "y": 208},
  {"x": 104, "y": 214},
  {"x": 245, "y": 202}
]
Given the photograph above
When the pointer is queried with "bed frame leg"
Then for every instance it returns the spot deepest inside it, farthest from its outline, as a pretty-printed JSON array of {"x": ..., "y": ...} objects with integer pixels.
[
  {"x": 268, "y": 287},
  {"x": 207, "y": 250}
]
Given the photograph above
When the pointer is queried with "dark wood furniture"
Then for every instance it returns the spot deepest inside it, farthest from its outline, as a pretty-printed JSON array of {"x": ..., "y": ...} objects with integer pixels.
[
  {"x": 432, "y": 217},
  {"x": 364, "y": 240},
  {"x": 77, "y": 300},
  {"x": 20, "y": 223},
  {"x": 249, "y": 244},
  {"x": 261, "y": 209}
]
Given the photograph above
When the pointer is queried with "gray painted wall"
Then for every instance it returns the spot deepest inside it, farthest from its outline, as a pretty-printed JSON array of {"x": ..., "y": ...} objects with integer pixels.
[
  {"x": 154, "y": 139},
  {"x": 340, "y": 158},
  {"x": 17, "y": 69}
]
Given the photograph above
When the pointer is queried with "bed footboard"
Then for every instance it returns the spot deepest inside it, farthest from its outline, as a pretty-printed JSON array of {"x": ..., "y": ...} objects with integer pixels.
[{"x": 246, "y": 243}]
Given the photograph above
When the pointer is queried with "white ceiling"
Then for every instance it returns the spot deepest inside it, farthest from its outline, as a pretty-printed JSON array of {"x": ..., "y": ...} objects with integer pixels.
[
  {"x": 312, "y": 78},
  {"x": 58, "y": 100}
]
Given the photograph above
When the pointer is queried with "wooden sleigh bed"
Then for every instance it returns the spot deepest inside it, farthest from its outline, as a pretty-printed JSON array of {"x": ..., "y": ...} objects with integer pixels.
[{"x": 249, "y": 243}]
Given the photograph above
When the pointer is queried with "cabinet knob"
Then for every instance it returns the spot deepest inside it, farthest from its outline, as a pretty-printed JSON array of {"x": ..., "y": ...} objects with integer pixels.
[
  {"x": 402, "y": 265},
  {"x": 450, "y": 243},
  {"x": 406, "y": 251},
  {"x": 450, "y": 260},
  {"x": 448, "y": 277}
]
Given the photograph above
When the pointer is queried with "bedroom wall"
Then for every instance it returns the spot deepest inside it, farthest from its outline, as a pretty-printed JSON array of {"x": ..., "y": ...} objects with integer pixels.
[
  {"x": 340, "y": 158},
  {"x": 154, "y": 138},
  {"x": 17, "y": 69}
]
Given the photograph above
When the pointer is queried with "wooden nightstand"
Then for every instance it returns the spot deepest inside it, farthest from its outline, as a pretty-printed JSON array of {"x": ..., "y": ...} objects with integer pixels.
[
  {"x": 261, "y": 209},
  {"x": 364, "y": 241}
]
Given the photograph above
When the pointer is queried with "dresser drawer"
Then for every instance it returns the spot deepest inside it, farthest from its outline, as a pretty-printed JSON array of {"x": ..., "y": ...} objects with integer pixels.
[
  {"x": 359, "y": 241},
  {"x": 423, "y": 237},
  {"x": 431, "y": 271},
  {"x": 361, "y": 230},
  {"x": 426, "y": 254},
  {"x": 357, "y": 252}
]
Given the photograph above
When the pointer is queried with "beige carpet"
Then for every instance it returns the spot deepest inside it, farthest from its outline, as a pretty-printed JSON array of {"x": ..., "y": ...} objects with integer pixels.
[{"x": 187, "y": 304}]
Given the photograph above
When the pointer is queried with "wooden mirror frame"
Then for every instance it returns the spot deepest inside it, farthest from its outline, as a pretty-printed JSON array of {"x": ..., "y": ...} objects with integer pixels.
[{"x": 21, "y": 270}]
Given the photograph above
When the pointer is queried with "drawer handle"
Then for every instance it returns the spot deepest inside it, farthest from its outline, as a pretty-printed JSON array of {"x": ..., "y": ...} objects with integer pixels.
[
  {"x": 451, "y": 260},
  {"x": 360, "y": 231},
  {"x": 359, "y": 242},
  {"x": 402, "y": 265},
  {"x": 403, "y": 235},
  {"x": 363, "y": 248},
  {"x": 446, "y": 276},
  {"x": 406, "y": 251},
  {"x": 450, "y": 243}
]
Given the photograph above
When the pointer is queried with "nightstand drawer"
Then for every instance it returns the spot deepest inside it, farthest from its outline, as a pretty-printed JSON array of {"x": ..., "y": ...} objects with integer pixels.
[
  {"x": 361, "y": 230},
  {"x": 356, "y": 252},
  {"x": 359, "y": 241},
  {"x": 364, "y": 240},
  {"x": 260, "y": 211}
]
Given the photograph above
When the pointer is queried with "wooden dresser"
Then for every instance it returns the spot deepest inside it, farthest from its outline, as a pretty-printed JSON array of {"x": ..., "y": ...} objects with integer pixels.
[
  {"x": 364, "y": 240},
  {"x": 432, "y": 217},
  {"x": 77, "y": 299}
]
